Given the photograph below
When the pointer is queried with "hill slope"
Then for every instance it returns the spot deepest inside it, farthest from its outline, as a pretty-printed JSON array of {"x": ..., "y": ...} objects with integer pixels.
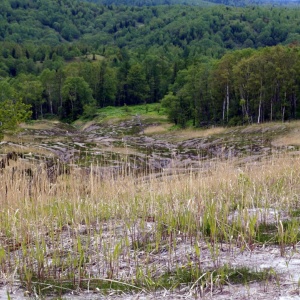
[
  {"x": 52, "y": 23},
  {"x": 196, "y": 2}
]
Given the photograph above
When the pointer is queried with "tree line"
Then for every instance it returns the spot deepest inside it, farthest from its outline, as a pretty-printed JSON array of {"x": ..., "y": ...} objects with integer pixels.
[
  {"x": 196, "y": 2},
  {"x": 66, "y": 58},
  {"x": 244, "y": 86},
  {"x": 205, "y": 30},
  {"x": 79, "y": 87}
]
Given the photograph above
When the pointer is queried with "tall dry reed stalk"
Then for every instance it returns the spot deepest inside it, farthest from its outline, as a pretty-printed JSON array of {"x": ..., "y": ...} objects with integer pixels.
[{"x": 86, "y": 225}]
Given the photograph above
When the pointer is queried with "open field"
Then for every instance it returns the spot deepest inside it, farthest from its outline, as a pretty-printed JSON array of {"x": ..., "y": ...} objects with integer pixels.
[{"x": 213, "y": 215}]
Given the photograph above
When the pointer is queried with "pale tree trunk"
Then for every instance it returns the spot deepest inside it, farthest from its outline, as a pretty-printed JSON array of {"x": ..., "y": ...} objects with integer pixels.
[
  {"x": 60, "y": 85},
  {"x": 72, "y": 106},
  {"x": 50, "y": 103},
  {"x": 295, "y": 104},
  {"x": 283, "y": 108},
  {"x": 259, "y": 106},
  {"x": 259, "y": 112},
  {"x": 224, "y": 105},
  {"x": 271, "y": 115},
  {"x": 227, "y": 100}
]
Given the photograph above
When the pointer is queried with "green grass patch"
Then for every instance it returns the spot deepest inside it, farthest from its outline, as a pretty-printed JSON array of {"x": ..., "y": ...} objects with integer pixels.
[
  {"x": 285, "y": 233},
  {"x": 194, "y": 277},
  {"x": 244, "y": 275},
  {"x": 151, "y": 110},
  {"x": 61, "y": 287},
  {"x": 266, "y": 233},
  {"x": 295, "y": 213}
]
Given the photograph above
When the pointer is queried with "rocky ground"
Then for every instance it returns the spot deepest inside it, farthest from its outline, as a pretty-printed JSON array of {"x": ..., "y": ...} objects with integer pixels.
[{"x": 125, "y": 144}]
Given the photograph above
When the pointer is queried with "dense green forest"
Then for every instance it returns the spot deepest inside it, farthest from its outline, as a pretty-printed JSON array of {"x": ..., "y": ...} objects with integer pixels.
[
  {"x": 197, "y": 2},
  {"x": 207, "y": 64},
  {"x": 152, "y": 2}
]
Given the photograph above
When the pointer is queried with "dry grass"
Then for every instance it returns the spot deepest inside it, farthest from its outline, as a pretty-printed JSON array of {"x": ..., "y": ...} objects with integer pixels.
[
  {"x": 186, "y": 134},
  {"x": 40, "y": 125},
  {"x": 93, "y": 225},
  {"x": 290, "y": 139},
  {"x": 159, "y": 129},
  {"x": 24, "y": 149},
  {"x": 85, "y": 125},
  {"x": 18, "y": 139},
  {"x": 121, "y": 150},
  {"x": 110, "y": 224}
]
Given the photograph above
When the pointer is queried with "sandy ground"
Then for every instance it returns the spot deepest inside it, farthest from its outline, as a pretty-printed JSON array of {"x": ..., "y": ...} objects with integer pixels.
[{"x": 283, "y": 283}]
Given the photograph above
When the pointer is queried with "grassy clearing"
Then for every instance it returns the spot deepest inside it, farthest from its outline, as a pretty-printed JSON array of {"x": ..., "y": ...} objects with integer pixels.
[
  {"x": 147, "y": 114},
  {"x": 143, "y": 110},
  {"x": 90, "y": 228},
  {"x": 89, "y": 57},
  {"x": 95, "y": 57}
]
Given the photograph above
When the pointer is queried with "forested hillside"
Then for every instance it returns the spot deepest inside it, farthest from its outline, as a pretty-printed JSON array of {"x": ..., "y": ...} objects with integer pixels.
[
  {"x": 54, "y": 22},
  {"x": 152, "y": 2},
  {"x": 66, "y": 58},
  {"x": 197, "y": 2}
]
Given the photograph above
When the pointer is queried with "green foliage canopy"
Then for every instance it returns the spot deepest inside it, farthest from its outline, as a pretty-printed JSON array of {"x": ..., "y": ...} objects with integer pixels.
[
  {"x": 70, "y": 57},
  {"x": 12, "y": 113}
]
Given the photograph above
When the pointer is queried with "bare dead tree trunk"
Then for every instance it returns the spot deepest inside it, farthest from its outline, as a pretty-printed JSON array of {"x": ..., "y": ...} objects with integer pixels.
[
  {"x": 227, "y": 100},
  {"x": 260, "y": 102},
  {"x": 224, "y": 105}
]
